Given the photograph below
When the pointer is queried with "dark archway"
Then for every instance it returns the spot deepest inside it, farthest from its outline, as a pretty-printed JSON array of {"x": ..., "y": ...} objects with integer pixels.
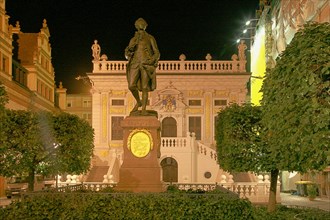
[{"x": 170, "y": 170}]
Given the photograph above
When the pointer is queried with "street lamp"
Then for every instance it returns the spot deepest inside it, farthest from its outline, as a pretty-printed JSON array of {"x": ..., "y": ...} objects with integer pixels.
[
  {"x": 246, "y": 29},
  {"x": 249, "y": 21},
  {"x": 243, "y": 38}
]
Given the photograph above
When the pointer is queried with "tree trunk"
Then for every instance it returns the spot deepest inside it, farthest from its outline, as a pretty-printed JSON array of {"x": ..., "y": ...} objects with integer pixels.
[
  {"x": 31, "y": 180},
  {"x": 272, "y": 192}
]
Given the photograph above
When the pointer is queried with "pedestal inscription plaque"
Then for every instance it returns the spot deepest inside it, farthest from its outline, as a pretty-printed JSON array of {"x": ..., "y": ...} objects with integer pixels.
[{"x": 140, "y": 171}]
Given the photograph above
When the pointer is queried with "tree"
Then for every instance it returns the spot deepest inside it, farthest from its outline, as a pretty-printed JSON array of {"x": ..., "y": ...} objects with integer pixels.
[
  {"x": 21, "y": 149},
  {"x": 3, "y": 96},
  {"x": 3, "y": 101},
  {"x": 238, "y": 139},
  {"x": 75, "y": 138},
  {"x": 44, "y": 143},
  {"x": 240, "y": 145},
  {"x": 296, "y": 102}
]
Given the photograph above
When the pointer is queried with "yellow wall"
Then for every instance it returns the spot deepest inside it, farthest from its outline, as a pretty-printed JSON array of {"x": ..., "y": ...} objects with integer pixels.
[{"x": 258, "y": 66}]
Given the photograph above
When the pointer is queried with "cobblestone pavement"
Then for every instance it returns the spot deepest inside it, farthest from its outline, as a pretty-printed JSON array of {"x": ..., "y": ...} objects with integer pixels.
[{"x": 294, "y": 200}]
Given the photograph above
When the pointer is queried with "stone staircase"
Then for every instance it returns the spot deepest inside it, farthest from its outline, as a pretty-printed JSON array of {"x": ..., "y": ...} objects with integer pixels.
[{"x": 96, "y": 173}]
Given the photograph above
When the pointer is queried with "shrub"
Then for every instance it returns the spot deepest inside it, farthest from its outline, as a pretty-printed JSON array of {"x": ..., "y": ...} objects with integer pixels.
[{"x": 128, "y": 206}]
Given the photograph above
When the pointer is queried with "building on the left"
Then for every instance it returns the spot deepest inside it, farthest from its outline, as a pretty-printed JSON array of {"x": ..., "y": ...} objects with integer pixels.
[{"x": 26, "y": 69}]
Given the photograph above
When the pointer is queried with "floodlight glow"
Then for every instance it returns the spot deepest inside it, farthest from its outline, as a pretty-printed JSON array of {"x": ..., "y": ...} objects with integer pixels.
[
  {"x": 238, "y": 40},
  {"x": 244, "y": 31},
  {"x": 247, "y": 23}
]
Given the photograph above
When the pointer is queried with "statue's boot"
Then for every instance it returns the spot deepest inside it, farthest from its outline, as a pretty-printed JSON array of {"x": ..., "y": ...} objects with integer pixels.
[{"x": 136, "y": 107}]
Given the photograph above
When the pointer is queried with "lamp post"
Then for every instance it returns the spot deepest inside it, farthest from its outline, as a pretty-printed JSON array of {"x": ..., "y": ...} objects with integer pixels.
[{"x": 251, "y": 25}]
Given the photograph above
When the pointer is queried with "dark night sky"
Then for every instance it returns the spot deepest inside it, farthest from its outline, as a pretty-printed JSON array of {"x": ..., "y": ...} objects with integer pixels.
[{"x": 192, "y": 27}]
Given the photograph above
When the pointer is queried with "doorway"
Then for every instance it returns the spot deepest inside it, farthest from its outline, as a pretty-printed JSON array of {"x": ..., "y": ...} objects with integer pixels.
[{"x": 170, "y": 170}]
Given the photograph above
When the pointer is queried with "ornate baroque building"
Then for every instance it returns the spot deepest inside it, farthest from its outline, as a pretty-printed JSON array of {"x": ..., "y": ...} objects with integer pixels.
[{"x": 188, "y": 97}]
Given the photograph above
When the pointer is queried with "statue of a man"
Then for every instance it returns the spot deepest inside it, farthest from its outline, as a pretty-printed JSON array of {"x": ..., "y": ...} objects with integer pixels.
[
  {"x": 96, "y": 50},
  {"x": 143, "y": 55},
  {"x": 241, "y": 50}
]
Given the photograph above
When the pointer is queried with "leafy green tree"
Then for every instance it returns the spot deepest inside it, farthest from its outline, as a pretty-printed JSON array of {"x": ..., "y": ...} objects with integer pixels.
[
  {"x": 44, "y": 143},
  {"x": 21, "y": 147},
  {"x": 3, "y": 96},
  {"x": 238, "y": 138},
  {"x": 240, "y": 145},
  {"x": 3, "y": 101},
  {"x": 75, "y": 138},
  {"x": 296, "y": 102}
]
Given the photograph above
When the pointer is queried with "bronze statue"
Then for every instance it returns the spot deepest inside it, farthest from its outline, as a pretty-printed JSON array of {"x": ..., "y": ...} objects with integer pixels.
[{"x": 143, "y": 55}]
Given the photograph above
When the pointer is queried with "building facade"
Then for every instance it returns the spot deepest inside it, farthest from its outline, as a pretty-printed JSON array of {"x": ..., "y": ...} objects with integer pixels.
[
  {"x": 26, "y": 69},
  {"x": 78, "y": 104},
  {"x": 275, "y": 28},
  {"x": 188, "y": 97}
]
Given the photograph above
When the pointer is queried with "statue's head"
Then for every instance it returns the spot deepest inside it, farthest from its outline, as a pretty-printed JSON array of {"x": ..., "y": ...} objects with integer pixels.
[{"x": 140, "y": 24}]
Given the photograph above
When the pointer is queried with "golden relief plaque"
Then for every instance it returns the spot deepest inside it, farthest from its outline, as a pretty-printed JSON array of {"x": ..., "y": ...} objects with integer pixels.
[{"x": 140, "y": 142}]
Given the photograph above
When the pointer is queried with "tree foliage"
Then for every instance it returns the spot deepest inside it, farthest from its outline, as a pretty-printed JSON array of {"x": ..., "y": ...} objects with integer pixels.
[
  {"x": 75, "y": 138},
  {"x": 3, "y": 101},
  {"x": 21, "y": 147},
  {"x": 239, "y": 146},
  {"x": 44, "y": 143},
  {"x": 3, "y": 96},
  {"x": 296, "y": 102}
]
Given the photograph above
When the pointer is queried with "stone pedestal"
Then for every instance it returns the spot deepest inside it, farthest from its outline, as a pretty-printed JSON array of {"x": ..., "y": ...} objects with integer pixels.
[{"x": 140, "y": 171}]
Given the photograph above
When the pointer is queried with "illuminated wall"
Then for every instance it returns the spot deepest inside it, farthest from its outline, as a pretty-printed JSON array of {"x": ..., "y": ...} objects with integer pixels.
[{"x": 258, "y": 65}]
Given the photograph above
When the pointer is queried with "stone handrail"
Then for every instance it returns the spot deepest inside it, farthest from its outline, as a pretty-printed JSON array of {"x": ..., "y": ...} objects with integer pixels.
[
  {"x": 256, "y": 192},
  {"x": 167, "y": 66},
  {"x": 207, "y": 151}
]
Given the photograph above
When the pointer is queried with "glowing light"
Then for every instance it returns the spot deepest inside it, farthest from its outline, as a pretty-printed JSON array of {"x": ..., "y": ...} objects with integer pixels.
[
  {"x": 249, "y": 21},
  {"x": 244, "y": 31},
  {"x": 258, "y": 66}
]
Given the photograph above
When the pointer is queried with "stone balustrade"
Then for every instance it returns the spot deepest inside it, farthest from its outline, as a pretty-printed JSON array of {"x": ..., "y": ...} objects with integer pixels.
[
  {"x": 174, "y": 142},
  {"x": 93, "y": 186},
  {"x": 176, "y": 67},
  {"x": 256, "y": 192}
]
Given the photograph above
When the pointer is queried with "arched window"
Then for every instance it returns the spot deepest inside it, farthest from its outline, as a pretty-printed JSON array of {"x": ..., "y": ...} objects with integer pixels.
[
  {"x": 170, "y": 170},
  {"x": 169, "y": 127}
]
